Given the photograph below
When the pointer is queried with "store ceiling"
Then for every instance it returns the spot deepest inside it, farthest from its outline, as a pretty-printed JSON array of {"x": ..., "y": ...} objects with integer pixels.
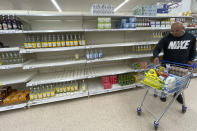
[{"x": 67, "y": 5}]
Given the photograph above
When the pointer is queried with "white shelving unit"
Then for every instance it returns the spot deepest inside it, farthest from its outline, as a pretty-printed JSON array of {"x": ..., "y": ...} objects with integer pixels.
[
  {"x": 9, "y": 49},
  {"x": 13, "y": 66},
  {"x": 91, "y": 70},
  {"x": 52, "y": 63},
  {"x": 51, "y": 49},
  {"x": 16, "y": 78}
]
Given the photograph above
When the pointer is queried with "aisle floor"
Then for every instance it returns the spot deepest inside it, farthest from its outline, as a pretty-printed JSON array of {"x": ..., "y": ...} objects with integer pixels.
[{"x": 108, "y": 112}]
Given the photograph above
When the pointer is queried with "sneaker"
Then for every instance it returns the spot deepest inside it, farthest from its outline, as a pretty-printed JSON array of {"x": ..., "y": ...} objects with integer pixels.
[
  {"x": 179, "y": 98},
  {"x": 163, "y": 99}
]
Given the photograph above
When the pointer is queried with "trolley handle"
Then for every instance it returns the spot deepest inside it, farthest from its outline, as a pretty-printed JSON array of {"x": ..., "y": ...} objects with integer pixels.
[{"x": 193, "y": 66}]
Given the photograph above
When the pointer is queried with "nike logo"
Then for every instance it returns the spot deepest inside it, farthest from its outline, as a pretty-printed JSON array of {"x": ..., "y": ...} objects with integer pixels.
[{"x": 179, "y": 44}]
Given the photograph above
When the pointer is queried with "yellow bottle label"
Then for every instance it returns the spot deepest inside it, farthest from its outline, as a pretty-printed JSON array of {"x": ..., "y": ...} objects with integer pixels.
[
  {"x": 84, "y": 88},
  {"x": 68, "y": 88},
  {"x": 61, "y": 89},
  {"x": 52, "y": 93},
  {"x": 76, "y": 88},
  {"x": 67, "y": 43},
  {"x": 31, "y": 97},
  {"x": 50, "y": 44},
  {"x": 40, "y": 96},
  {"x": 25, "y": 45},
  {"x": 83, "y": 42},
  {"x": 38, "y": 45},
  {"x": 80, "y": 42},
  {"x": 43, "y": 45},
  {"x": 54, "y": 44},
  {"x": 58, "y": 44},
  {"x": 63, "y": 43},
  {"x": 34, "y": 45},
  {"x": 30, "y": 45},
  {"x": 44, "y": 94},
  {"x": 46, "y": 44},
  {"x": 48, "y": 94},
  {"x": 71, "y": 43},
  {"x": 76, "y": 43}
]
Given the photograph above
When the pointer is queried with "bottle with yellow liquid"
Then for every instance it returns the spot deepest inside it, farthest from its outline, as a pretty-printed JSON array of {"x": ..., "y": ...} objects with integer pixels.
[
  {"x": 34, "y": 44},
  {"x": 48, "y": 91},
  {"x": 46, "y": 42},
  {"x": 42, "y": 42},
  {"x": 67, "y": 40},
  {"x": 76, "y": 86},
  {"x": 44, "y": 93},
  {"x": 64, "y": 85},
  {"x": 83, "y": 86},
  {"x": 31, "y": 95},
  {"x": 63, "y": 42},
  {"x": 52, "y": 90},
  {"x": 71, "y": 40},
  {"x": 75, "y": 40},
  {"x": 35, "y": 92},
  {"x": 79, "y": 40},
  {"x": 40, "y": 93},
  {"x": 58, "y": 41},
  {"x": 61, "y": 88},
  {"x": 30, "y": 42},
  {"x": 54, "y": 41},
  {"x": 26, "y": 43},
  {"x": 68, "y": 87},
  {"x": 50, "y": 44},
  {"x": 38, "y": 44}
]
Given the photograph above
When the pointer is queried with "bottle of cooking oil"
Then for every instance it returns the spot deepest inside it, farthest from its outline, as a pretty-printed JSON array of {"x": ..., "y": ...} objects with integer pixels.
[
  {"x": 76, "y": 86},
  {"x": 42, "y": 42},
  {"x": 68, "y": 87},
  {"x": 63, "y": 42},
  {"x": 54, "y": 41},
  {"x": 26, "y": 43},
  {"x": 72, "y": 87},
  {"x": 83, "y": 86},
  {"x": 71, "y": 40},
  {"x": 67, "y": 40},
  {"x": 50, "y": 44},
  {"x": 83, "y": 40},
  {"x": 75, "y": 40},
  {"x": 40, "y": 92},
  {"x": 35, "y": 92},
  {"x": 64, "y": 85},
  {"x": 38, "y": 44},
  {"x": 58, "y": 41},
  {"x": 31, "y": 95},
  {"x": 46, "y": 42},
  {"x": 44, "y": 92},
  {"x": 30, "y": 42},
  {"x": 34, "y": 44},
  {"x": 79, "y": 40},
  {"x": 52, "y": 90},
  {"x": 61, "y": 88}
]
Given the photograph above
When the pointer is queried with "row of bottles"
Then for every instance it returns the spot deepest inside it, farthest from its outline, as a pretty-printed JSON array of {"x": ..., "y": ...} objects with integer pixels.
[
  {"x": 10, "y": 58},
  {"x": 47, "y": 41},
  {"x": 143, "y": 49},
  {"x": 92, "y": 55},
  {"x": 10, "y": 22},
  {"x": 50, "y": 90},
  {"x": 159, "y": 34}
]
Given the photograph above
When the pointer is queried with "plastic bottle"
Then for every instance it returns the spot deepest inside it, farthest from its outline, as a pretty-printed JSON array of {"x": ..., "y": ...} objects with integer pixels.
[
  {"x": 58, "y": 41},
  {"x": 67, "y": 40},
  {"x": 83, "y": 40},
  {"x": 26, "y": 43},
  {"x": 52, "y": 90},
  {"x": 87, "y": 55},
  {"x": 100, "y": 54},
  {"x": 34, "y": 44},
  {"x": 35, "y": 93},
  {"x": 48, "y": 91},
  {"x": 79, "y": 40},
  {"x": 44, "y": 93},
  {"x": 9, "y": 23},
  {"x": 14, "y": 23},
  {"x": 54, "y": 41},
  {"x": 71, "y": 40},
  {"x": 76, "y": 86},
  {"x": 75, "y": 40},
  {"x": 96, "y": 54},
  {"x": 46, "y": 42},
  {"x": 30, "y": 45},
  {"x": 42, "y": 42},
  {"x": 31, "y": 97},
  {"x": 4, "y": 23},
  {"x": 50, "y": 41},
  {"x": 91, "y": 55},
  {"x": 83, "y": 86},
  {"x": 38, "y": 44},
  {"x": 63, "y": 42},
  {"x": 40, "y": 93}
]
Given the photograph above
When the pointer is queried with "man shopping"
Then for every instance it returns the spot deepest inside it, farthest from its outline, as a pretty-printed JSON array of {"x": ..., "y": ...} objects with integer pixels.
[{"x": 178, "y": 46}]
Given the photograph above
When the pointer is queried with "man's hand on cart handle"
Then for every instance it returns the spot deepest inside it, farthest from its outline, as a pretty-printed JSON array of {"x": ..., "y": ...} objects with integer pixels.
[{"x": 156, "y": 60}]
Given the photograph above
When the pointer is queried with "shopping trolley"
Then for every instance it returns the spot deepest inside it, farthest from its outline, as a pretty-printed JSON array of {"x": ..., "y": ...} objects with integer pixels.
[{"x": 180, "y": 75}]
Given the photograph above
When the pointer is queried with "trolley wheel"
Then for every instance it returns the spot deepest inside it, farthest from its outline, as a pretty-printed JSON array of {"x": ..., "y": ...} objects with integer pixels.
[
  {"x": 184, "y": 109},
  {"x": 139, "y": 111},
  {"x": 155, "y": 95},
  {"x": 156, "y": 125}
]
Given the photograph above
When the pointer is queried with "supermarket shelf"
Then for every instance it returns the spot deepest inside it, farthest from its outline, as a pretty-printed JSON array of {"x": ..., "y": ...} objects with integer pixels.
[
  {"x": 11, "y": 31},
  {"x": 9, "y": 49},
  {"x": 95, "y": 87},
  {"x": 51, "y": 49},
  {"x": 48, "y": 78},
  {"x": 53, "y": 31},
  {"x": 16, "y": 78},
  {"x": 52, "y": 63},
  {"x": 11, "y": 107},
  {"x": 121, "y": 57},
  {"x": 63, "y": 96},
  {"x": 121, "y": 44},
  {"x": 5, "y": 67}
]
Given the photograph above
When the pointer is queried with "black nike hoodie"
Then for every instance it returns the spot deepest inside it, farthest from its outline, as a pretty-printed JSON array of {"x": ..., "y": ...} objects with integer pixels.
[{"x": 177, "y": 49}]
